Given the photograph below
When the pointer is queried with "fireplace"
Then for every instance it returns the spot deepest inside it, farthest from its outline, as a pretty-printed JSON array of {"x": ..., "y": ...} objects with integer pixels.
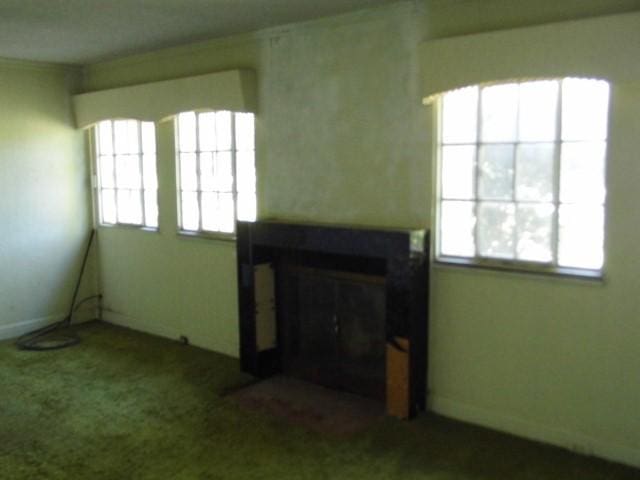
[{"x": 341, "y": 307}]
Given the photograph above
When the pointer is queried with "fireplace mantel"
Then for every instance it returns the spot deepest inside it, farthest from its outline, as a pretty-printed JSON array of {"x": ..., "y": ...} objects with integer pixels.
[{"x": 398, "y": 256}]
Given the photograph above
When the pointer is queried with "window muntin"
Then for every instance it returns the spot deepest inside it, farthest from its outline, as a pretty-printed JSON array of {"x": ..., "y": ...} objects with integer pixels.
[
  {"x": 127, "y": 181},
  {"x": 521, "y": 174},
  {"x": 216, "y": 170}
]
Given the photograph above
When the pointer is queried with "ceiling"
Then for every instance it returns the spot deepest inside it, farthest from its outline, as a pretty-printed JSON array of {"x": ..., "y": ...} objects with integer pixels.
[{"x": 87, "y": 31}]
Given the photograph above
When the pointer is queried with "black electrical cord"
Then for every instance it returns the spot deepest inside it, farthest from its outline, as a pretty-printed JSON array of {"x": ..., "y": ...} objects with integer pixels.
[
  {"x": 85, "y": 300},
  {"x": 56, "y": 335}
]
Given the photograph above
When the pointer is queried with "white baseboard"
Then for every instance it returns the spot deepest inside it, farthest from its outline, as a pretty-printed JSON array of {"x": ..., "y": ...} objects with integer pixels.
[
  {"x": 152, "y": 328},
  {"x": 573, "y": 441},
  {"x": 14, "y": 330}
]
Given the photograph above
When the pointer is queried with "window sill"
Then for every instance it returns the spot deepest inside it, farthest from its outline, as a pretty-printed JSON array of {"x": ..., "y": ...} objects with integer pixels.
[
  {"x": 522, "y": 269},
  {"x": 129, "y": 226},
  {"x": 218, "y": 237}
]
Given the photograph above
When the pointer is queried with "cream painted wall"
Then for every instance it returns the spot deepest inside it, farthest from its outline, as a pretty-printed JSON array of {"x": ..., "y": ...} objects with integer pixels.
[
  {"x": 168, "y": 284},
  {"x": 342, "y": 138},
  {"x": 543, "y": 357},
  {"x": 44, "y": 211}
]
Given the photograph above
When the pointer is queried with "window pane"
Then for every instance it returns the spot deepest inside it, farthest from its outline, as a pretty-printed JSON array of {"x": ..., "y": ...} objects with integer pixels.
[
  {"x": 207, "y": 131},
  {"x": 129, "y": 207},
  {"x": 460, "y": 116},
  {"x": 151, "y": 208},
  {"x": 223, "y": 172},
  {"x": 496, "y": 223},
  {"x": 457, "y": 221},
  {"x": 538, "y": 111},
  {"x": 188, "y": 172},
  {"x": 495, "y": 164},
  {"x": 245, "y": 134},
  {"x": 105, "y": 138},
  {"x": 209, "y": 173},
  {"x": 245, "y": 172},
  {"x": 105, "y": 168},
  {"x": 534, "y": 231},
  {"x": 190, "y": 212},
  {"x": 458, "y": 164},
  {"x": 581, "y": 236},
  {"x": 123, "y": 175},
  {"x": 534, "y": 172},
  {"x": 210, "y": 214},
  {"x": 187, "y": 132},
  {"x": 217, "y": 212},
  {"x": 585, "y": 108},
  {"x": 148, "y": 137},
  {"x": 126, "y": 136},
  {"x": 246, "y": 207},
  {"x": 226, "y": 212},
  {"x": 582, "y": 172},
  {"x": 108, "y": 206},
  {"x": 207, "y": 180},
  {"x": 149, "y": 171},
  {"x": 499, "y": 113},
  {"x": 223, "y": 130},
  {"x": 128, "y": 171},
  {"x": 535, "y": 188}
]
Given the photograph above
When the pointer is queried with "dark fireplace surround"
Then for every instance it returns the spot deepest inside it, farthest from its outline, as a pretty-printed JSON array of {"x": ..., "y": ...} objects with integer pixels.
[{"x": 320, "y": 276}]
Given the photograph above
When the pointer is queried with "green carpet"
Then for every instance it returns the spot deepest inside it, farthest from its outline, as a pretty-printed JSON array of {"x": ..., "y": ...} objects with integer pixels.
[{"x": 125, "y": 405}]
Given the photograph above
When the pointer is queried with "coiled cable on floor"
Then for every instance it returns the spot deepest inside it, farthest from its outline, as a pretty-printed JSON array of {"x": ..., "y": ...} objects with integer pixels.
[{"x": 58, "y": 335}]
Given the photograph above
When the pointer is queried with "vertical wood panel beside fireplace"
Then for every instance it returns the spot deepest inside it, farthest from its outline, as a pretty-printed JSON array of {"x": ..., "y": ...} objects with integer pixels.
[{"x": 341, "y": 307}]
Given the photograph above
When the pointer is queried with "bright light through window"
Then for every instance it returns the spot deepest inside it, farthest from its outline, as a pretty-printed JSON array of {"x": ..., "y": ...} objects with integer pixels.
[
  {"x": 522, "y": 173},
  {"x": 126, "y": 167},
  {"x": 216, "y": 170}
]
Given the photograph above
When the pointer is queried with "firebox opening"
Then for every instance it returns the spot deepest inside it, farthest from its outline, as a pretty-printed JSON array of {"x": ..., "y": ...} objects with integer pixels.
[{"x": 332, "y": 328}]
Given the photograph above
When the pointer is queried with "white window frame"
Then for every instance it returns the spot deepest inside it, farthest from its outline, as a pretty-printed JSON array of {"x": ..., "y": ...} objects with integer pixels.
[
  {"x": 144, "y": 191},
  {"x": 477, "y": 260},
  {"x": 234, "y": 152}
]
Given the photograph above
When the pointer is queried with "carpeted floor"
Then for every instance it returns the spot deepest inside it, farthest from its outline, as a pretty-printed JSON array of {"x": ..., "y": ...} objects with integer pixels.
[{"x": 125, "y": 405}]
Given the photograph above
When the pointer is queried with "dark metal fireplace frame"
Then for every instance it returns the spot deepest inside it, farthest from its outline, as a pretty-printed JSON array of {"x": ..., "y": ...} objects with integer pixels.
[{"x": 401, "y": 256}]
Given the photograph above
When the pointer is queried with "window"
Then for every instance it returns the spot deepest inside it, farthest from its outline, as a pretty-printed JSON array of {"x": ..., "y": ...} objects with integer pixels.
[
  {"x": 521, "y": 174},
  {"x": 216, "y": 170},
  {"x": 126, "y": 167}
]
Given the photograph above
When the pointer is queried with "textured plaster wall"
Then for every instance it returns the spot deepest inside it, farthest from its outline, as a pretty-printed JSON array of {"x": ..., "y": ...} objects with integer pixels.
[
  {"x": 44, "y": 212},
  {"x": 342, "y": 138}
]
